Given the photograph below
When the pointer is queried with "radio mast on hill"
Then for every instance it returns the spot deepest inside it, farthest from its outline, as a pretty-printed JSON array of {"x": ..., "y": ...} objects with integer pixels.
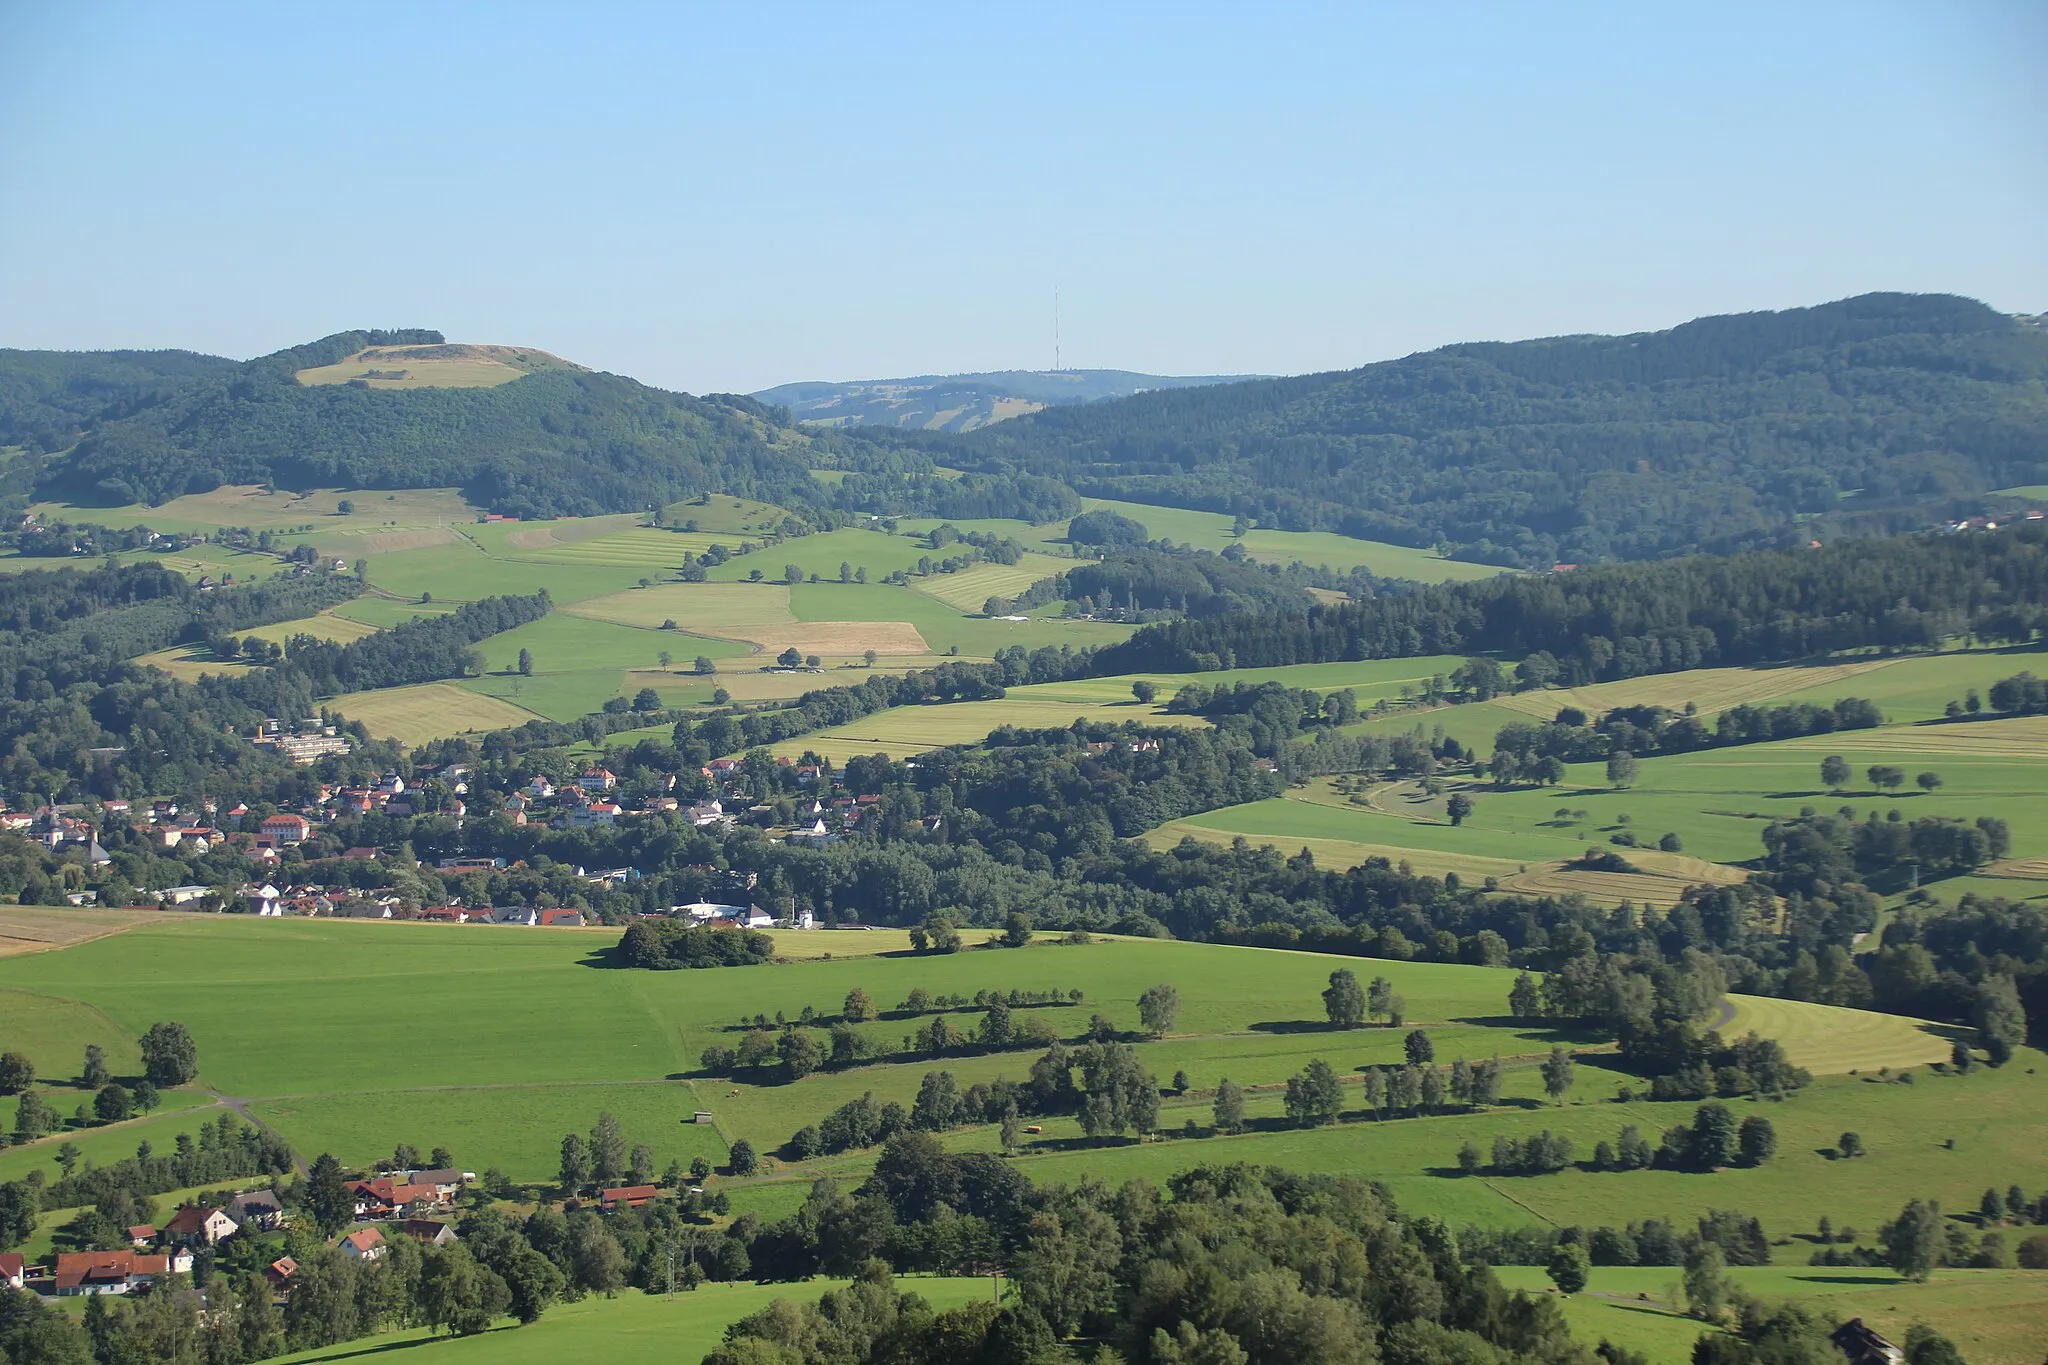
[{"x": 1055, "y": 329}]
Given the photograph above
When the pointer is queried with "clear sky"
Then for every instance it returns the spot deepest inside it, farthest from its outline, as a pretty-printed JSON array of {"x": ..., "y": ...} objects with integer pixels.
[{"x": 730, "y": 197}]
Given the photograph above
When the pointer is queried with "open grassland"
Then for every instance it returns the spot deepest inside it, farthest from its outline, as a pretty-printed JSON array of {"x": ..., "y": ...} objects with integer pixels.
[
  {"x": 1717, "y": 801},
  {"x": 1995, "y": 1317},
  {"x": 32, "y": 929},
  {"x": 721, "y": 513},
  {"x": 629, "y": 1329},
  {"x": 190, "y": 662},
  {"x": 618, "y": 541},
  {"x": 876, "y": 551},
  {"x": 736, "y": 611},
  {"x": 569, "y": 1036},
  {"x": 281, "y": 510},
  {"x": 53, "y": 1031},
  {"x": 976, "y": 637},
  {"x": 1712, "y": 690},
  {"x": 905, "y": 730},
  {"x": 1211, "y": 531},
  {"x": 1835, "y": 1042},
  {"x": 429, "y": 711},
  {"x": 970, "y": 588},
  {"x": 182, "y": 1111},
  {"x": 457, "y": 365},
  {"x": 579, "y": 664}
]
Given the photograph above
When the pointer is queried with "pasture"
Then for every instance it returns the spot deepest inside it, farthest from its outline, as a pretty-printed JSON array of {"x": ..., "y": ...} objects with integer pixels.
[
  {"x": 970, "y": 588},
  {"x": 310, "y": 515},
  {"x": 1211, "y": 531},
  {"x": 442, "y": 366},
  {"x": 908, "y": 730},
  {"x": 427, "y": 711},
  {"x": 632, "y": 1328},
  {"x": 1995, "y": 1317},
  {"x": 571, "y": 1036}
]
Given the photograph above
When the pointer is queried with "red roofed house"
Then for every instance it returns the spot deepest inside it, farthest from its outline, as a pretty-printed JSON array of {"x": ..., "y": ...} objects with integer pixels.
[
  {"x": 280, "y": 1270},
  {"x": 141, "y": 1235},
  {"x": 13, "y": 1270},
  {"x": 364, "y": 1244},
  {"x": 561, "y": 919},
  {"x": 629, "y": 1196},
  {"x": 382, "y": 1196},
  {"x": 427, "y": 1230},
  {"x": 286, "y": 829},
  {"x": 114, "y": 1272},
  {"x": 195, "y": 1226}
]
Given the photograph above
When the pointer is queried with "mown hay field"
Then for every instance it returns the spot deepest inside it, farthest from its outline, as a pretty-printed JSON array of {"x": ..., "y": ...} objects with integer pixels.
[
  {"x": 280, "y": 510},
  {"x": 1829, "y": 1041},
  {"x": 907, "y": 730},
  {"x": 1713, "y": 690},
  {"x": 970, "y": 588},
  {"x": 427, "y": 711}
]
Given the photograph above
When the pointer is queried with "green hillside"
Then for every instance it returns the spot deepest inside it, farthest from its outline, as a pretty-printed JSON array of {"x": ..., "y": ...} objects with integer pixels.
[{"x": 1723, "y": 431}]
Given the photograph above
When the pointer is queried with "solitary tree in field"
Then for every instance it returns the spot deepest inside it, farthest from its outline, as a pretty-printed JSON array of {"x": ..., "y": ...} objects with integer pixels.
[
  {"x": 1419, "y": 1050},
  {"x": 704, "y": 665},
  {"x": 666, "y": 658},
  {"x": 1622, "y": 769},
  {"x": 169, "y": 1056},
  {"x": 1525, "y": 998},
  {"x": 740, "y": 1157},
  {"x": 95, "y": 1074},
  {"x": 859, "y": 1007},
  {"x": 1557, "y": 1073},
  {"x": 790, "y": 658},
  {"x": 1835, "y": 771},
  {"x": 1885, "y": 776},
  {"x": 1157, "y": 1008},
  {"x": 1928, "y": 782},
  {"x": 1569, "y": 1267},
  {"x": 1144, "y": 691},
  {"x": 1379, "y": 998},
  {"x": 1913, "y": 1241},
  {"x": 525, "y": 663},
  {"x": 1344, "y": 1001},
  {"x": 1458, "y": 807},
  {"x": 1229, "y": 1106}
]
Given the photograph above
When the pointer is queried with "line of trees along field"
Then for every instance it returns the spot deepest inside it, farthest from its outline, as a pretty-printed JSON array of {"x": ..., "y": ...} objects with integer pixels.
[
  {"x": 1622, "y": 621},
  {"x": 1874, "y": 412}
]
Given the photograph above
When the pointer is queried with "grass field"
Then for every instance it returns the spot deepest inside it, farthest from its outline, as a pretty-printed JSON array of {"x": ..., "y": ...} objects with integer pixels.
[
  {"x": 283, "y": 510},
  {"x": 970, "y": 588},
  {"x": 905, "y": 730},
  {"x": 189, "y": 662},
  {"x": 1211, "y": 531},
  {"x": 31, "y": 929},
  {"x": 569, "y": 1037},
  {"x": 1995, "y": 1317},
  {"x": 429, "y": 711},
  {"x": 631, "y": 1328},
  {"x": 457, "y": 366},
  {"x": 1832, "y": 1042}
]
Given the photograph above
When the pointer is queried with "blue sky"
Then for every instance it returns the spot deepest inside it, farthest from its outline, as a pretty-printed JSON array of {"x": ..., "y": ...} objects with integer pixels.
[{"x": 727, "y": 198}]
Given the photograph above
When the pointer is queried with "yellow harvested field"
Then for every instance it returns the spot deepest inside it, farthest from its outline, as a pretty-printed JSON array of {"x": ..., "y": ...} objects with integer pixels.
[
  {"x": 1341, "y": 854},
  {"x": 356, "y": 541},
  {"x": 826, "y": 638},
  {"x": 456, "y": 365},
  {"x": 970, "y": 589},
  {"x": 916, "y": 729},
  {"x": 427, "y": 711},
  {"x": 325, "y": 626},
  {"x": 1684, "y": 868},
  {"x": 2023, "y": 739},
  {"x": 570, "y": 531},
  {"x": 1832, "y": 1041},
  {"x": 807, "y": 945},
  {"x": 27, "y": 929},
  {"x": 726, "y": 611},
  {"x": 1602, "y": 888},
  {"x": 628, "y": 547},
  {"x": 1711, "y": 689},
  {"x": 747, "y": 680},
  {"x": 189, "y": 663},
  {"x": 2025, "y": 869}
]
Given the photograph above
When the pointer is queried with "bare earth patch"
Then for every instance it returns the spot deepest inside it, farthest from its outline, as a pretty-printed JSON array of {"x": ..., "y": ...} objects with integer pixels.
[{"x": 32, "y": 929}]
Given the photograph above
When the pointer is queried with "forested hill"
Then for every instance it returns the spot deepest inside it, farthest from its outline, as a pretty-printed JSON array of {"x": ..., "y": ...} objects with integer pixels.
[
  {"x": 965, "y": 402},
  {"x": 1626, "y": 620},
  {"x": 48, "y": 398},
  {"x": 555, "y": 442},
  {"x": 1875, "y": 413}
]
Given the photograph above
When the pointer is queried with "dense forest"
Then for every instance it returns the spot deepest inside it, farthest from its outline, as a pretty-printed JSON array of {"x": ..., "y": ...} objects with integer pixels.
[
  {"x": 559, "y": 442},
  {"x": 49, "y": 398},
  {"x": 1875, "y": 412},
  {"x": 1622, "y": 621}
]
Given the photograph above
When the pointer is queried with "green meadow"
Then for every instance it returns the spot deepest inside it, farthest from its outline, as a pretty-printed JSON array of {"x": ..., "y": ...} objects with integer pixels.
[
  {"x": 629, "y": 1329},
  {"x": 1211, "y": 531},
  {"x": 496, "y": 1041},
  {"x": 1995, "y": 1317}
]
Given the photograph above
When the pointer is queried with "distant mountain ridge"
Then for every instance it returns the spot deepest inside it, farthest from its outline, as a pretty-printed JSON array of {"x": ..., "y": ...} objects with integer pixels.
[
  {"x": 1876, "y": 413},
  {"x": 966, "y": 402}
]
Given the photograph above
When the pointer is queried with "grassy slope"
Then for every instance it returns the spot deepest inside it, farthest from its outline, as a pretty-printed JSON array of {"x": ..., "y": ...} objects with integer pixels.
[
  {"x": 630, "y": 1328},
  {"x": 1211, "y": 531},
  {"x": 558, "y": 1038}
]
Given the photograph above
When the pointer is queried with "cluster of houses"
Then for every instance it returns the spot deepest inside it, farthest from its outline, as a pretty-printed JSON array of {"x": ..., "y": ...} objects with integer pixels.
[
  {"x": 303, "y": 741},
  {"x": 1993, "y": 523},
  {"x": 405, "y": 1201}
]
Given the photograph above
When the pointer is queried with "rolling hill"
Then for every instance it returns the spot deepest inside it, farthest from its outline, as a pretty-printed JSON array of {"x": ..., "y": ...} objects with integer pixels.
[
  {"x": 966, "y": 402},
  {"x": 1873, "y": 413}
]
